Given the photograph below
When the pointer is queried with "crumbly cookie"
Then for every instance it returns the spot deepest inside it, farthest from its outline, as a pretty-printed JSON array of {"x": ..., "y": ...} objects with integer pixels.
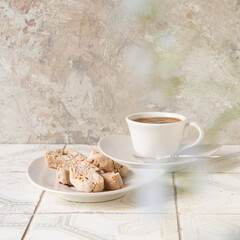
[
  {"x": 53, "y": 158},
  {"x": 112, "y": 180},
  {"x": 106, "y": 164},
  {"x": 62, "y": 175},
  {"x": 85, "y": 176}
]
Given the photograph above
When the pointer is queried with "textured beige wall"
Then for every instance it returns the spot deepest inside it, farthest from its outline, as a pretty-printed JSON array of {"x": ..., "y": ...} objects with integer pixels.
[{"x": 70, "y": 70}]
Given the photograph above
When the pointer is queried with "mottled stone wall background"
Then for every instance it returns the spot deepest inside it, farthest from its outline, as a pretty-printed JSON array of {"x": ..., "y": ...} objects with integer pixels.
[{"x": 71, "y": 70}]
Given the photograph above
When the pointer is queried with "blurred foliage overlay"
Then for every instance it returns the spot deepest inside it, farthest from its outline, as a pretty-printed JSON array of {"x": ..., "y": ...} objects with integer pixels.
[
  {"x": 185, "y": 55},
  {"x": 71, "y": 70}
]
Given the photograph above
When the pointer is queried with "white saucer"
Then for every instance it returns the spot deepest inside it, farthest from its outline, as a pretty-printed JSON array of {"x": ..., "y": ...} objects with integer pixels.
[
  {"x": 120, "y": 149},
  {"x": 45, "y": 178}
]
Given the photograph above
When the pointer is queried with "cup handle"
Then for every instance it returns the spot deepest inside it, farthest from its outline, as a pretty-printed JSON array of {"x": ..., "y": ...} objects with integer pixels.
[{"x": 198, "y": 140}]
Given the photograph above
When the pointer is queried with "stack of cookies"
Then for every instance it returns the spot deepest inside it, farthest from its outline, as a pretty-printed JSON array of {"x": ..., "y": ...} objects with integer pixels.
[{"x": 88, "y": 174}]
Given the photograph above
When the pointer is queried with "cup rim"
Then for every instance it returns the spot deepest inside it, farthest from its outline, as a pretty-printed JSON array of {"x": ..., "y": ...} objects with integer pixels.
[{"x": 170, "y": 114}]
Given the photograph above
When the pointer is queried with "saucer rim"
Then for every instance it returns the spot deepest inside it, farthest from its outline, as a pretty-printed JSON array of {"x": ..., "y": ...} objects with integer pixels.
[{"x": 190, "y": 160}]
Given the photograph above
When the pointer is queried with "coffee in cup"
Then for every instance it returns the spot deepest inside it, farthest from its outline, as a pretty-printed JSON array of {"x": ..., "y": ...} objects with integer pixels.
[{"x": 158, "y": 134}]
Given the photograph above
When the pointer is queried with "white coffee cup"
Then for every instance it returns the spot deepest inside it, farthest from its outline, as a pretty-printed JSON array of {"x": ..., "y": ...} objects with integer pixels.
[{"x": 161, "y": 139}]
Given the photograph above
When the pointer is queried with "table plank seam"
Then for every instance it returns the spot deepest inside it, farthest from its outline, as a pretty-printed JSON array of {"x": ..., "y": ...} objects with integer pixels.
[
  {"x": 33, "y": 214},
  {"x": 176, "y": 207},
  {"x": 122, "y": 213},
  {"x": 105, "y": 213},
  {"x": 209, "y": 172}
]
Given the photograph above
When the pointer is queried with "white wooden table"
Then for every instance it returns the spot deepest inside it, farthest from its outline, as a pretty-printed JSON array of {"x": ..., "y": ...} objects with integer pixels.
[{"x": 203, "y": 202}]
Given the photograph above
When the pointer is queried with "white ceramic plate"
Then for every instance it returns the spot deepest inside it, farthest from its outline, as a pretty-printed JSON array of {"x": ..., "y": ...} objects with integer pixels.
[
  {"x": 45, "y": 178},
  {"x": 120, "y": 149}
]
